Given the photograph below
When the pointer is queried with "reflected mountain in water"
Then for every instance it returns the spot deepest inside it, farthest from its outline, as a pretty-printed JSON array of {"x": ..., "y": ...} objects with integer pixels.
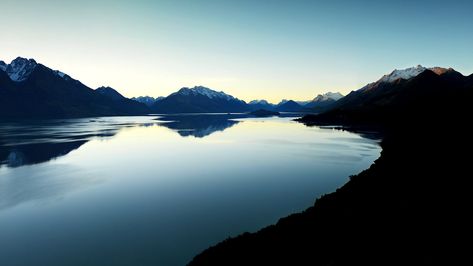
[
  {"x": 32, "y": 142},
  {"x": 199, "y": 125},
  {"x": 203, "y": 125},
  {"x": 14, "y": 156}
]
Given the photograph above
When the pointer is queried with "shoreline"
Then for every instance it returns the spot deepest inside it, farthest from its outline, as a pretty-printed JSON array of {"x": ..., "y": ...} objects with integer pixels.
[{"x": 385, "y": 214}]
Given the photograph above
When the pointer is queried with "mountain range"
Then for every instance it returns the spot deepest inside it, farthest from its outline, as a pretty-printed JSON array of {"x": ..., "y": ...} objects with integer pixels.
[
  {"x": 199, "y": 100},
  {"x": 147, "y": 100},
  {"x": 318, "y": 104},
  {"x": 31, "y": 90},
  {"x": 400, "y": 93}
]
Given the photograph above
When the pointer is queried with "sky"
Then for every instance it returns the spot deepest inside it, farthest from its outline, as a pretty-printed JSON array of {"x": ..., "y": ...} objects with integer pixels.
[{"x": 250, "y": 49}]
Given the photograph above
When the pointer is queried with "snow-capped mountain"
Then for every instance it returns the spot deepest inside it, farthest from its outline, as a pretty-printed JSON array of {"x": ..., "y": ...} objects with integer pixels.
[
  {"x": 398, "y": 82},
  {"x": 328, "y": 96},
  {"x": 411, "y": 72},
  {"x": 199, "y": 100},
  {"x": 148, "y": 100},
  {"x": 21, "y": 68},
  {"x": 31, "y": 90},
  {"x": 403, "y": 74},
  {"x": 206, "y": 92},
  {"x": 323, "y": 101}
]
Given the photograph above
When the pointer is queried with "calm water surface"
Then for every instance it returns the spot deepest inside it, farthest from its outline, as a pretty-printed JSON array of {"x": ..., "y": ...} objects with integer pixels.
[{"x": 136, "y": 191}]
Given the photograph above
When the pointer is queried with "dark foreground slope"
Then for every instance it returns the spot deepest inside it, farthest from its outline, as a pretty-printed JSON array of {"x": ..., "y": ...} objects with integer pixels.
[{"x": 411, "y": 207}]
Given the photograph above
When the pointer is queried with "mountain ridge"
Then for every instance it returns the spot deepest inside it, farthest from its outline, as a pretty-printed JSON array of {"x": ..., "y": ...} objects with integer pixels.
[
  {"x": 31, "y": 90},
  {"x": 199, "y": 99}
]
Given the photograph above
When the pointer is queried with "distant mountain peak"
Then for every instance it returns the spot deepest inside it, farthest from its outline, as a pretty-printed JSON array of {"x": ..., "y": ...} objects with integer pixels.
[
  {"x": 201, "y": 90},
  {"x": 148, "y": 100},
  {"x": 20, "y": 68},
  {"x": 288, "y": 103},
  {"x": 283, "y": 101},
  {"x": 288, "y": 106},
  {"x": 328, "y": 96},
  {"x": 411, "y": 72},
  {"x": 259, "y": 102},
  {"x": 110, "y": 92},
  {"x": 403, "y": 74},
  {"x": 199, "y": 99},
  {"x": 441, "y": 70}
]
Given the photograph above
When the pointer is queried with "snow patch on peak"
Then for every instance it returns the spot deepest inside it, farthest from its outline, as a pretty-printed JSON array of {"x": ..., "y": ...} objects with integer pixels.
[
  {"x": 59, "y": 73},
  {"x": 334, "y": 95},
  {"x": 328, "y": 96},
  {"x": 403, "y": 74},
  {"x": 20, "y": 69}
]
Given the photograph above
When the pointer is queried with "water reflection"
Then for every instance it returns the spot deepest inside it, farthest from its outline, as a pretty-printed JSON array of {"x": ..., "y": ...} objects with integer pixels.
[
  {"x": 198, "y": 125},
  {"x": 45, "y": 182},
  {"x": 148, "y": 196},
  {"x": 203, "y": 125},
  {"x": 37, "y": 141}
]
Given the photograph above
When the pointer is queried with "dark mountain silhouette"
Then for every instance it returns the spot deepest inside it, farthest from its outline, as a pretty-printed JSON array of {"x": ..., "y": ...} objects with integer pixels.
[
  {"x": 110, "y": 93},
  {"x": 199, "y": 100},
  {"x": 410, "y": 207},
  {"x": 381, "y": 102},
  {"x": 122, "y": 103},
  {"x": 33, "y": 153},
  {"x": 32, "y": 90},
  {"x": 261, "y": 104},
  {"x": 288, "y": 106}
]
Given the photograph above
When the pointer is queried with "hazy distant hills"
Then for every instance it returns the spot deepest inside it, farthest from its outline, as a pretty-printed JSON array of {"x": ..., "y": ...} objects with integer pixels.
[
  {"x": 30, "y": 90},
  {"x": 318, "y": 104}
]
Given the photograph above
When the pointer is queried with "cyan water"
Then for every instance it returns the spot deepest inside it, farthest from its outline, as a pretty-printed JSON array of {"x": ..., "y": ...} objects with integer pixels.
[{"x": 136, "y": 191}]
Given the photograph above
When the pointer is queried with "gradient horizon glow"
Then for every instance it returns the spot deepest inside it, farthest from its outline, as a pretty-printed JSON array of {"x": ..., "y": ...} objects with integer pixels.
[{"x": 249, "y": 49}]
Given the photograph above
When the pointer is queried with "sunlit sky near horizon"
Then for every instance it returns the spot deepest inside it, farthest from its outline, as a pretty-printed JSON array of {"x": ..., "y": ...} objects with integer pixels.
[{"x": 251, "y": 49}]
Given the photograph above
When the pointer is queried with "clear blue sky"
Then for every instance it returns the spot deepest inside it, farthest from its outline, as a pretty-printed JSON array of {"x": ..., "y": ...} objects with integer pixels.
[{"x": 250, "y": 49}]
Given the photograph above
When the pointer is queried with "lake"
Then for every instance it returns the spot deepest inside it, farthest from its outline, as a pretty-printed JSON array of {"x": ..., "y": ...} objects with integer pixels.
[{"x": 140, "y": 191}]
